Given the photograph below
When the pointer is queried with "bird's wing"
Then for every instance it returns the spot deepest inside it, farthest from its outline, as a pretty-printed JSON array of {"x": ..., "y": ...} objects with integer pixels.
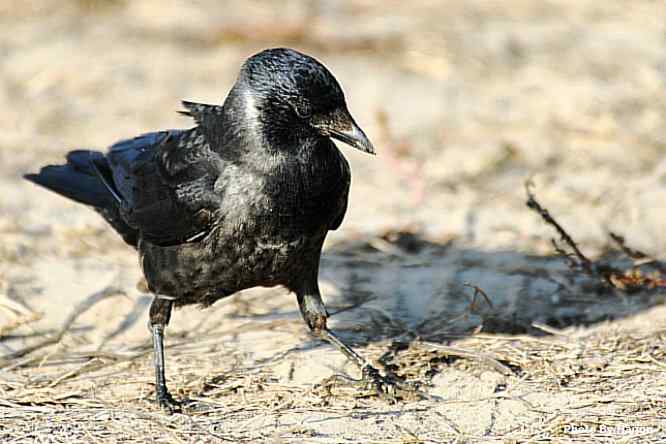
[{"x": 164, "y": 182}]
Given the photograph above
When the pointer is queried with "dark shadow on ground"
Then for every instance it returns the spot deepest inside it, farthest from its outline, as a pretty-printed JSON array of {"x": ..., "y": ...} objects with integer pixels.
[{"x": 402, "y": 285}]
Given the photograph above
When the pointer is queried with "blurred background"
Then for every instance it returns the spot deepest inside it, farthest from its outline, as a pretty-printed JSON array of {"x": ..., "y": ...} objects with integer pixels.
[{"x": 463, "y": 99}]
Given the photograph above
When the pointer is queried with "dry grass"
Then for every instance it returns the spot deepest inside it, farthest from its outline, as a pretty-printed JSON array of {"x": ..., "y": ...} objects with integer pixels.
[{"x": 73, "y": 394}]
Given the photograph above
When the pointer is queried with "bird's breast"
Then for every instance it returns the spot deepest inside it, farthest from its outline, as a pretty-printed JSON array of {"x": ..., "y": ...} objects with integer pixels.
[
  {"x": 269, "y": 229},
  {"x": 308, "y": 192},
  {"x": 290, "y": 198}
]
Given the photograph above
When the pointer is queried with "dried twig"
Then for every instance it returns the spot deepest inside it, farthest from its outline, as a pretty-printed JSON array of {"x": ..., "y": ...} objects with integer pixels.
[
  {"x": 485, "y": 358},
  {"x": 21, "y": 314},
  {"x": 532, "y": 203},
  {"x": 628, "y": 280},
  {"x": 81, "y": 308},
  {"x": 632, "y": 253},
  {"x": 478, "y": 291}
]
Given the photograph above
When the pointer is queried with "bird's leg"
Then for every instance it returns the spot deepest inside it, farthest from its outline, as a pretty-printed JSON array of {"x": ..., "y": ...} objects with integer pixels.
[
  {"x": 160, "y": 313},
  {"x": 384, "y": 386},
  {"x": 315, "y": 315}
]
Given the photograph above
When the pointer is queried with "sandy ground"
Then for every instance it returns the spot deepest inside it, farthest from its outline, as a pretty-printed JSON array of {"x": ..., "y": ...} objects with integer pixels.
[{"x": 464, "y": 100}]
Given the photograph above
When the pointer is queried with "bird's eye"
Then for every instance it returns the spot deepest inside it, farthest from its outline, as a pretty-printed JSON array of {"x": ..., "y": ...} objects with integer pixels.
[{"x": 303, "y": 109}]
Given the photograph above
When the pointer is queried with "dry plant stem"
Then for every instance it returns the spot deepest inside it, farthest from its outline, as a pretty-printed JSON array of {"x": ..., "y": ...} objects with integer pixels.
[
  {"x": 22, "y": 315},
  {"x": 626, "y": 280},
  {"x": 96, "y": 362},
  {"x": 478, "y": 291},
  {"x": 632, "y": 253},
  {"x": 532, "y": 204},
  {"x": 486, "y": 358},
  {"x": 18, "y": 322},
  {"x": 81, "y": 308}
]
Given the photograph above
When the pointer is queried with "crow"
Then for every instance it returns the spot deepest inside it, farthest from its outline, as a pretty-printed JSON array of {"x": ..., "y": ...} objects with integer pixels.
[{"x": 245, "y": 198}]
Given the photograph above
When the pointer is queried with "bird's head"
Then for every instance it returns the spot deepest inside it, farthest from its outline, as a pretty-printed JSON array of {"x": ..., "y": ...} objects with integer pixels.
[{"x": 293, "y": 96}]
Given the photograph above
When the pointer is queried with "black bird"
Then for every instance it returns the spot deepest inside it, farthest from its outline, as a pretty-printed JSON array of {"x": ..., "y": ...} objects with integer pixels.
[{"x": 243, "y": 199}]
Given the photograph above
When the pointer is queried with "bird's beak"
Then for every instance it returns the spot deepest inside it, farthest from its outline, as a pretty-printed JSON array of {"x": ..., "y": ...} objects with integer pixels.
[{"x": 343, "y": 128}]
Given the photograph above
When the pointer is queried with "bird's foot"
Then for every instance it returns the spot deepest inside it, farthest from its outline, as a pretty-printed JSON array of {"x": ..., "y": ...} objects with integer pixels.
[
  {"x": 389, "y": 388},
  {"x": 386, "y": 387},
  {"x": 167, "y": 403}
]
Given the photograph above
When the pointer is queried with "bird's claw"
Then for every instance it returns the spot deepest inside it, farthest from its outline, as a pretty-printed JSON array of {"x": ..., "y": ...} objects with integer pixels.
[
  {"x": 372, "y": 383},
  {"x": 167, "y": 403},
  {"x": 386, "y": 387}
]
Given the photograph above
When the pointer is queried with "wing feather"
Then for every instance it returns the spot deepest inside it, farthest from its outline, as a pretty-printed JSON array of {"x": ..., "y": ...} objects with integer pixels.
[{"x": 166, "y": 182}]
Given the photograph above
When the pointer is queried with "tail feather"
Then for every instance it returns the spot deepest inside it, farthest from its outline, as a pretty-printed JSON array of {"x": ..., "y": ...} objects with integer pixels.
[
  {"x": 80, "y": 160},
  {"x": 87, "y": 179},
  {"x": 76, "y": 180}
]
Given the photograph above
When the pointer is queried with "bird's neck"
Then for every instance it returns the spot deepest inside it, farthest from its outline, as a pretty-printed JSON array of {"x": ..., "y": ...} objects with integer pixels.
[{"x": 250, "y": 127}]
